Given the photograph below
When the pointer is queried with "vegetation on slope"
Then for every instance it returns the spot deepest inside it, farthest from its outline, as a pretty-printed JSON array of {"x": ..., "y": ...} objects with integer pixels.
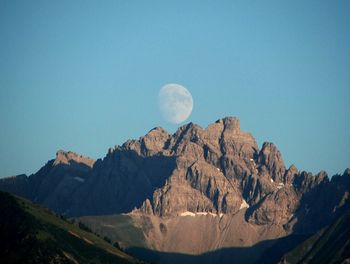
[
  {"x": 32, "y": 234},
  {"x": 118, "y": 228}
]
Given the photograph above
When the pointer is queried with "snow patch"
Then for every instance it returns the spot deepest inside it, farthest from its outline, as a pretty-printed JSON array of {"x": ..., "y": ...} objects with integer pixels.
[
  {"x": 79, "y": 179},
  {"x": 202, "y": 213},
  {"x": 280, "y": 185},
  {"x": 251, "y": 160},
  {"x": 272, "y": 180},
  {"x": 244, "y": 204},
  {"x": 187, "y": 213}
]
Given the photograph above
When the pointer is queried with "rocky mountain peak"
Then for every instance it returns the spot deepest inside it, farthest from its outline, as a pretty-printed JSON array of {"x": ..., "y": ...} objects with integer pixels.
[
  {"x": 271, "y": 158},
  {"x": 215, "y": 175},
  {"x": 230, "y": 123},
  {"x": 188, "y": 129},
  {"x": 154, "y": 141},
  {"x": 157, "y": 131},
  {"x": 66, "y": 157},
  {"x": 322, "y": 175},
  {"x": 290, "y": 174}
]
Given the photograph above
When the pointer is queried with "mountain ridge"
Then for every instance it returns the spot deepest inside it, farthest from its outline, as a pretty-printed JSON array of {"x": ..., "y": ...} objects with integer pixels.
[
  {"x": 168, "y": 183},
  {"x": 32, "y": 234}
]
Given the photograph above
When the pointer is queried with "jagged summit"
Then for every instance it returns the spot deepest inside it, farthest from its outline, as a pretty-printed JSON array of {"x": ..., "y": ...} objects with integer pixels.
[
  {"x": 65, "y": 157},
  {"x": 227, "y": 123},
  {"x": 157, "y": 130},
  {"x": 211, "y": 184},
  {"x": 193, "y": 182},
  {"x": 271, "y": 157},
  {"x": 230, "y": 122},
  {"x": 224, "y": 135},
  {"x": 216, "y": 170}
]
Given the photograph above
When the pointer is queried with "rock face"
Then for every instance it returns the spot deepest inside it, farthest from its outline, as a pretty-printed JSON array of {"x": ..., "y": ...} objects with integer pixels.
[
  {"x": 54, "y": 184},
  {"x": 218, "y": 170},
  {"x": 203, "y": 178}
]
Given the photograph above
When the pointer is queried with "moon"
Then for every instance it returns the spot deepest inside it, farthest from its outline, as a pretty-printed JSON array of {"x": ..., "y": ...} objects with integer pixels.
[{"x": 175, "y": 103}]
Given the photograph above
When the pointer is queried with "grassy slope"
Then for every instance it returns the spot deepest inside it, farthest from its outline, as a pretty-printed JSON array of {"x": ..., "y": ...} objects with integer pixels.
[
  {"x": 120, "y": 228},
  {"x": 330, "y": 245},
  {"x": 32, "y": 234}
]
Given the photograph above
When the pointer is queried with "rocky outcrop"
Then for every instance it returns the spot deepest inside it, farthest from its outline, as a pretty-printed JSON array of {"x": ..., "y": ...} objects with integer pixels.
[
  {"x": 218, "y": 170},
  {"x": 209, "y": 166},
  {"x": 54, "y": 185},
  {"x": 271, "y": 158},
  {"x": 70, "y": 158},
  {"x": 321, "y": 200}
]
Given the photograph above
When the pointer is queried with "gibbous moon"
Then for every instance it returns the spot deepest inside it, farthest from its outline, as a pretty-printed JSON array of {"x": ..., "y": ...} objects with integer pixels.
[{"x": 175, "y": 103}]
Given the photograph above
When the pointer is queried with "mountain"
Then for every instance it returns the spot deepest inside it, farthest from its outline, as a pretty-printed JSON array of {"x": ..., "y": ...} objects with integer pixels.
[
  {"x": 329, "y": 245},
  {"x": 199, "y": 190},
  {"x": 54, "y": 185},
  {"x": 32, "y": 234}
]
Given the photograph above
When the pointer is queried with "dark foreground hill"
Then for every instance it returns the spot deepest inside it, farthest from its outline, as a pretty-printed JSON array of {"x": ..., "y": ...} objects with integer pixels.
[
  {"x": 32, "y": 234},
  {"x": 329, "y": 245}
]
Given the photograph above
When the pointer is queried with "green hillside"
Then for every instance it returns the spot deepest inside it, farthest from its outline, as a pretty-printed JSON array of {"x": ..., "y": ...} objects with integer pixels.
[
  {"x": 330, "y": 245},
  {"x": 120, "y": 228},
  {"x": 32, "y": 234}
]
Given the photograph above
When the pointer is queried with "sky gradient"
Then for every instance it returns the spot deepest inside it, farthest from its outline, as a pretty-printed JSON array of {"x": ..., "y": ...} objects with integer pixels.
[{"x": 85, "y": 75}]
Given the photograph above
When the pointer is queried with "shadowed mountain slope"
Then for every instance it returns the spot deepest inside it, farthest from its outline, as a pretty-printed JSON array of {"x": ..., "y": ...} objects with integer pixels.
[
  {"x": 330, "y": 245},
  {"x": 31, "y": 234}
]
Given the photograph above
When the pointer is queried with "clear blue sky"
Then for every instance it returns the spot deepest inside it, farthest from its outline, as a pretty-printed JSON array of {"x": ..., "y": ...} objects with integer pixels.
[{"x": 85, "y": 75}]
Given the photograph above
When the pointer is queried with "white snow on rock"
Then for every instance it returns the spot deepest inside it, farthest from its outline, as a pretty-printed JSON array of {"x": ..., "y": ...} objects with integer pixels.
[
  {"x": 201, "y": 213},
  {"x": 271, "y": 180},
  {"x": 280, "y": 185},
  {"x": 244, "y": 204},
  {"x": 251, "y": 160},
  {"x": 187, "y": 213},
  {"x": 79, "y": 179}
]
